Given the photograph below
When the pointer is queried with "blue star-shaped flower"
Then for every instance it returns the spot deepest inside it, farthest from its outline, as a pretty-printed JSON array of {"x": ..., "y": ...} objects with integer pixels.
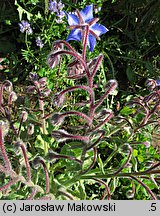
[
  {"x": 158, "y": 82},
  {"x": 77, "y": 23}
]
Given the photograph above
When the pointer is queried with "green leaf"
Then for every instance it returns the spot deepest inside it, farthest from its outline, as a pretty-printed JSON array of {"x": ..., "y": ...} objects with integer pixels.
[
  {"x": 100, "y": 164},
  {"x": 135, "y": 152},
  {"x": 39, "y": 142},
  {"x": 127, "y": 111},
  {"x": 21, "y": 11},
  {"x": 130, "y": 74},
  {"x": 81, "y": 189},
  {"x": 140, "y": 158}
]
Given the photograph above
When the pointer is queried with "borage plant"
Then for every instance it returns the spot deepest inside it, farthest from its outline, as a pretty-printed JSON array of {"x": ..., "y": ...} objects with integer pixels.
[
  {"x": 84, "y": 27},
  {"x": 73, "y": 161}
]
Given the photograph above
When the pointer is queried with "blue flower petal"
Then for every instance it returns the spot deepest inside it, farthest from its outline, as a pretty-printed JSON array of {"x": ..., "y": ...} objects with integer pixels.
[
  {"x": 72, "y": 19},
  {"x": 98, "y": 29},
  {"x": 75, "y": 34},
  {"x": 91, "y": 42},
  {"x": 158, "y": 82},
  {"x": 87, "y": 13}
]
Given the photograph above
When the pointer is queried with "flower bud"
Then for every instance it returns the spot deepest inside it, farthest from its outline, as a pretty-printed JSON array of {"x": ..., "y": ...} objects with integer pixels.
[
  {"x": 129, "y": 194},
  {"x": 60, "y": 135},
  {"x": 12, "y": 97},
  {"x": 51, "y": 155},
  {"x": 58, "y": 99},
  {"x": 4, "y": 125},
  {"x": 45, "y": 93},
  {"x": 33, "y": 76},
  {"x": 125, "y": 148},
  {"x": 7, "y": 85},
  {"x": 158, "y": 110},
  {"x": 30, "y": 129},
  {"x": 43, "y": 82},
  {"x": 56, "y": 119},
  {"x": 75, "y": 70},
  {"x": 57, "y": 46},
  {"x": 128, "y": 165},
  {"x": 37, "y": 162},
  {"x": 119, "y": 119},
  {"x": 53, "y": 60},
  {"x": 147, "y": 144},
  {"x": 101, "y": 115},
  {"x": 112, "y": 84},
  {"x": 31, "y": 89},
  {"x": 17, "y": 145},
  {"x": 150, "y": 84},
  {"x": 24, "y": 116},
  {"x": 148, "y": 164}
]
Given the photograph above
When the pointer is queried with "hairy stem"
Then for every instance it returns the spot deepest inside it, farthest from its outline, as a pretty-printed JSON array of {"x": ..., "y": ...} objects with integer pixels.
[
  {"x": 46, "y": 175},
  {"x": 26, "y": 162},
  {"x": 9, "y": 184},
  {"x": 3, "y": 151},
  {"x": 78, "y": 57},
  {"x": 106, "y": 187},
  {"x": 145, "y": 186},
  {"x": 124, "y": 165}
]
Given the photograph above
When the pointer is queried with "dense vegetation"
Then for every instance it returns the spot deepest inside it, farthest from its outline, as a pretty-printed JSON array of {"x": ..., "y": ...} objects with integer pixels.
[{"x": 107, "y": 131}]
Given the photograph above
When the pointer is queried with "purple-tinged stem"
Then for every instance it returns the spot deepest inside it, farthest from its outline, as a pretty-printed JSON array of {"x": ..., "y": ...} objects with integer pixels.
[
  {"x": 98, "y": 62},
  {"x": 93, "y": 162},
  {"x": 9, "y": 184},
  {"x": 41, "y": 107},
  {"x": 147, "y": 117},
  {"x": 11, "y": 173},
  {"x": 90, "y": 79},
  {"x": 88, "y": 89},
  {"x": 103, "y": 122},
  {"x": 78, "y": 57},
  {"x": 66, "y": 44},
  {"x": 62, "y": 135},
  {"x": 84, "y": 116},
  {"x": 33, "y": 193},
  {"x": 77, "y": 137},
  {"x": 60, "y": 156},
  {"x": 106, "y": 187},
  {"x": 150, "y": 113},
  {"x": 142, "y": 105},
  {"x": 45, "y": 197},
  {"x": 98, "y": 140},
  {"x": 46, "y": 175},
  {"x": 3, "y": 151},
  {"x": 85, "y": 39},
  {"x": 153, "y": 167},
  {"x": 66, "y": 194},
  {"x": 1, "y": 94},
  {"x": 124, "y": 165},
  {"x": 83, "y": 154},
  {"x": 112, "y": 86},
  {"x": 18, "y": 133},
  {"x": 68, "y": 113},
  {"x": 26, "y": 162},
  {"x": 1, "y": 99},
  {"x": 133, "y": 187},
  {"x": 145, "y": 186}
]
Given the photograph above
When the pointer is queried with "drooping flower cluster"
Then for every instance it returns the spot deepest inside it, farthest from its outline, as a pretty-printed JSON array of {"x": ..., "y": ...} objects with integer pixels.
[
  {"x": 57, "y": 7},
  {"x": 25, "y": 27}
]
